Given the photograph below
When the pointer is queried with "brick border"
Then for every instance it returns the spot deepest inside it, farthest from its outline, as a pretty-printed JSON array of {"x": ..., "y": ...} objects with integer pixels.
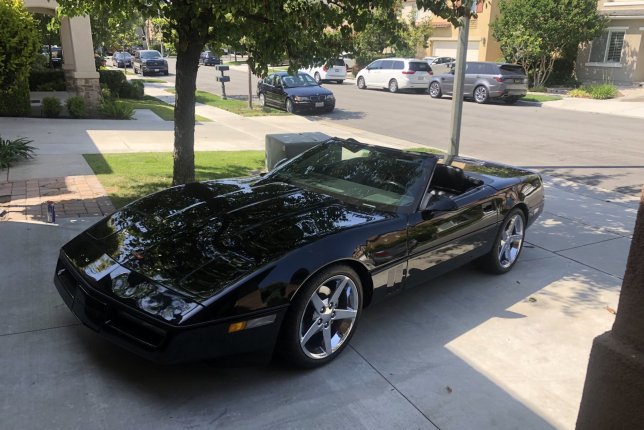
[{"x": 73, "y": 196}]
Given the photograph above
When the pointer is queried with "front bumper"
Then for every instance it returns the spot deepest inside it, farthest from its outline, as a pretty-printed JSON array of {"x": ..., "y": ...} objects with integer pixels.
[
  {"x": 154, "y": 69},
  {"x": 157, "y": 341},
  {"x": 311, "y": 106}
]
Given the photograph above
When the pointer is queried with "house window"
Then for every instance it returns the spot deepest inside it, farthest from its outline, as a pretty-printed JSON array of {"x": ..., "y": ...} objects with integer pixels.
[{"x": 607, "y": 48}]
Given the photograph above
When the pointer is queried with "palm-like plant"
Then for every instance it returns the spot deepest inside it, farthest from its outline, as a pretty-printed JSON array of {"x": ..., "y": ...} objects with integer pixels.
[{"x": 13, "y": 150}]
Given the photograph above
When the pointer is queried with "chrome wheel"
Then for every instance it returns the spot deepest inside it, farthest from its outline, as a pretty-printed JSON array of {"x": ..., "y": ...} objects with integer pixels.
[
  {"x": 435, "y": 90},
  {"x": 393, "y": 86},
  {"x": 481, "y": 94},
  {"x": 289, "y": 106},
  {"x": 361, "y": 83},
  {"x": 329, "y": 317},
  {"x": 511, "y": 241},
  {"x": 262, "y": 100}
]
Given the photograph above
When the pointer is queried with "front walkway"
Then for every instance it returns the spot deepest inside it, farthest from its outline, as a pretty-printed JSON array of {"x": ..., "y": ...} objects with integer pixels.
[{"x": 72, "y": 196}]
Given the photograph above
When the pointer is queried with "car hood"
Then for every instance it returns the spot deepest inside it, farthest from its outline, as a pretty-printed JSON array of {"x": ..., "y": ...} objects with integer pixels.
[
  {"x": 201, "y": 237},
  {"x": 307, "y": 91}
]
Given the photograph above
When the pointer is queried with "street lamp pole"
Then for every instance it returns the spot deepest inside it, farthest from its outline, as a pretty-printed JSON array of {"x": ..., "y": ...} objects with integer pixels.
[{"x": 459, "y": 78}]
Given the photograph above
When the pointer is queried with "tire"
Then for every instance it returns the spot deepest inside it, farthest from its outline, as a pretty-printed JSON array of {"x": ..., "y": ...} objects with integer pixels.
[
  {"x": 481, "y": 94},
  {"x": 507, "y": 246},
  {"x": 361, "y": 83},
  {"x": 322, "y": 317},
  {"x": 329, "y": 110},
  {"x": 166, "y": 73},
  {"x": 435, "y": 90},
  {"x": 262, "y": 100},
  {"x": 393, "y": 86},
  {"x": 317, "y": 78},
  {"x": 290, "y": 108},
  {"x": 339, "y": 81}
]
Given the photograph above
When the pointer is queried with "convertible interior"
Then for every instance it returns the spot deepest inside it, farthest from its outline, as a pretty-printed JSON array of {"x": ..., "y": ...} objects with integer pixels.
[{"x": 448, "y": 182}]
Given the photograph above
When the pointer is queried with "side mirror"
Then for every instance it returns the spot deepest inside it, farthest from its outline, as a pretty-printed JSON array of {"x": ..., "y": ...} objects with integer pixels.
[{"x": 442, "y": 205}]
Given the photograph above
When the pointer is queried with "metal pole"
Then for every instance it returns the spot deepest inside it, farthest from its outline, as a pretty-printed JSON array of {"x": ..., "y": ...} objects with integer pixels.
[
  {"x": 459, "y": 78},
  {"x": 250, "y": 90}
]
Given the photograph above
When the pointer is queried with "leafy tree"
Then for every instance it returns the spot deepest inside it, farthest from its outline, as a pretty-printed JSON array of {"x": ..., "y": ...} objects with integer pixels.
[
  {"x": 304, "y": 30},
  {"x": 19, "y": 41},
  {"x": 536, "y": 33}
]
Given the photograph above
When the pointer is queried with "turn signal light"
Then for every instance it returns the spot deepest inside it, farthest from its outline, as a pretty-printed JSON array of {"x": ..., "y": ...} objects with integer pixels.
[{"x": 238, "y": 326}]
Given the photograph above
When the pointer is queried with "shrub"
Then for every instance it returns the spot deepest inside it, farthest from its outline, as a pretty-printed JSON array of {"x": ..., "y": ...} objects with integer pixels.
[
  {"x": 15, "y": 101},
  {"x": 116, "y": 109},
  {"x": 47, "y": 80},
  {"x": 603, "y": 91},
  {"x": 105, "y": 91},
  {"x": 596, "y": 91},
  {"x": 13, "y": 150},
  {"x": 132, "y": 90},
  {"x": 51, "y": 107},
  {"x": 76, "y": 106},
  {"x": 19, "y": 41},
  {"x": 114, "y": 79}
]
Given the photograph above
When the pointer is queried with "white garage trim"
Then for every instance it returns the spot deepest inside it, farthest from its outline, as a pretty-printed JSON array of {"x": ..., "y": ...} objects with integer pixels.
[{"x": 447, "y": 48}]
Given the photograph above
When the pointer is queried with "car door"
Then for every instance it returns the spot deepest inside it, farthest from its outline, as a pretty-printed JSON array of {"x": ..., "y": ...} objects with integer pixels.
[
  {"x": 441, "y": 237},
  {"x": 472, "y": 74},
  {"x": 371, "y": 73},
  {"x": 386, "y": 73},
  {"x": 271, "y": 90},
  {"x": 447, "y": 82}
]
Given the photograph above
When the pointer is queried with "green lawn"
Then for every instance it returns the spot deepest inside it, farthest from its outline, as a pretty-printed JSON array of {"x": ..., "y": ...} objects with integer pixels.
[
  {"x": 239, "y": 107},
  {"x": 539, "y": 98},
  {"x": 163, "y": 110},
  {"x": 426, "y": 149},
  {"x": 126, "y": 177},
  {"x": 152, "y": 81}
]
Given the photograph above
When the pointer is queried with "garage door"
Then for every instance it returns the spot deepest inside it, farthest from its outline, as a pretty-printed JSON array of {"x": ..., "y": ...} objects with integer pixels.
[{"x": 447, "y": 48}]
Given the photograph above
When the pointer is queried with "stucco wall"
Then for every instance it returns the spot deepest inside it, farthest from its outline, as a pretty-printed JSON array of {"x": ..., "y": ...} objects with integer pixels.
[{"x": 629, "y": 70}]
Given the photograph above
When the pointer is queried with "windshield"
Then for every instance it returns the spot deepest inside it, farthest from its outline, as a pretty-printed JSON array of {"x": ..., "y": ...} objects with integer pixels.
[
  {"x": 359, "y": 174},
  {"x": 301, "y": 80},
  {"x": 147, "y": 55}
]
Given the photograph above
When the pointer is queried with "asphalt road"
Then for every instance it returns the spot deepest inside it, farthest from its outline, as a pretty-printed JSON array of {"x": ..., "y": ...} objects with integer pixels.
[{"x": 593, "y": 149}]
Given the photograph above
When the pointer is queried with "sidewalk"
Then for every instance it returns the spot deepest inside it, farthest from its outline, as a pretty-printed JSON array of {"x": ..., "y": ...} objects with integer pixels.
[{"x": 468, "y": 351}]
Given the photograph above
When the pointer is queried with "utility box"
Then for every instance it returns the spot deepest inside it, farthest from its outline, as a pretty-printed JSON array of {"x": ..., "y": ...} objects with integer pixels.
[{"x": 288, "y": 145}]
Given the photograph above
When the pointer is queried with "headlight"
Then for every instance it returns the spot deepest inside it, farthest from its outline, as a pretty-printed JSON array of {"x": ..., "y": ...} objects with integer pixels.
[
  {"x": 165, "y": 62},
  {"x": 301, "y": 99},
  {"x": 153, "y": 299},
  {"x": 330, "y": 97}
]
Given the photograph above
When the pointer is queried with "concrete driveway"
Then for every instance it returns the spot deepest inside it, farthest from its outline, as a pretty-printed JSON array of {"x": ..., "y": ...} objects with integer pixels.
[{"x": 468, "y": 351}]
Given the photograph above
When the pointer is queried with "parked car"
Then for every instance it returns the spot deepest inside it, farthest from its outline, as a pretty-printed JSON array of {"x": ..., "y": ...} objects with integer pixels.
[
  {"x": 440, "y": 65},
  {"x": 396, "y": 74},
  {"x": 288, "y": 261},
  {"x": 485, "y": 81},
  {"x": 294, "y": 93},
  {"x": 148, "y": 61},
  {"x": 122, "y": 59},
  {"x": 333, "y": 70},
  {"x": 207, "y": 58},
  {"x": 54, "y": 55}
]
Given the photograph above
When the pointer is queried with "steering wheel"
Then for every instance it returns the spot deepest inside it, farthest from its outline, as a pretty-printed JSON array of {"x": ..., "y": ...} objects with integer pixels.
[{"x": 399, "y": 187}]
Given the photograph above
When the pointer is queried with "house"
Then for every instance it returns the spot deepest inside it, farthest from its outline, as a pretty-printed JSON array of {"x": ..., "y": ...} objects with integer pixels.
[
  {"x": 481, "y": 46},
  {"x": 613, "y": 56}
]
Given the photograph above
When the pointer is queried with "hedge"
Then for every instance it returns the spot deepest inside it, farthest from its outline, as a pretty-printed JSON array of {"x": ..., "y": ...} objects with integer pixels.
[
  {"x": 114, "y": 79},
  {"x": 16, "y": 102},
  {"x": 47, "y": 80}
]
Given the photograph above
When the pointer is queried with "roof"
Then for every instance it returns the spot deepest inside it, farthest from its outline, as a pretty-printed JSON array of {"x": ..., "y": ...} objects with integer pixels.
[{"x": 625, "y": 13}]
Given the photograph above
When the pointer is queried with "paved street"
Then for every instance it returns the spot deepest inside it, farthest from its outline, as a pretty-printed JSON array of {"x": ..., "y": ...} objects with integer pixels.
[{"x": 590, "y": 148}]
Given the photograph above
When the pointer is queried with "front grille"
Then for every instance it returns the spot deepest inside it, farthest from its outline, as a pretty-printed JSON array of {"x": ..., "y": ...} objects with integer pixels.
[
  {"x": 136, "y": 330},
  {"x": 319, "y": 98},
  {"x": 154, "y": 63}
]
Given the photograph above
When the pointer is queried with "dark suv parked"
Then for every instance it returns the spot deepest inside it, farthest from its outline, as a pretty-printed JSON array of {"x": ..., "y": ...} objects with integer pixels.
[
  {"x": 207, "y": 58},
  {"x": 149, "y": 61},
  {"x": 485, "y": 81}
]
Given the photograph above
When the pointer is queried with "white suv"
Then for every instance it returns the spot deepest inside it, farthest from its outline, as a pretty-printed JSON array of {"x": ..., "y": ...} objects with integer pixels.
[
  {"x": 332, "y": 70},
  {"x": 396, "y": 74}
]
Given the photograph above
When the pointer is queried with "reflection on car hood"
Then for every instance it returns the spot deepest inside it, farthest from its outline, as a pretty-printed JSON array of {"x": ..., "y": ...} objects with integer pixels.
[
  {"x": 201, "y": 237},
  {"x": 307, "y": 91}
]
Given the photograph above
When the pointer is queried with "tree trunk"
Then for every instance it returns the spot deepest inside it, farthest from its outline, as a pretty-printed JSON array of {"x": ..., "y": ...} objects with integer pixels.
[{"x": 184, "y": 113}]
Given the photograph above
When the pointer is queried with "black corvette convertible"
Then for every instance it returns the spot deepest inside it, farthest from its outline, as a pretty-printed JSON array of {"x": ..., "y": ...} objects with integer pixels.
[{"x": 287, "y": 261}]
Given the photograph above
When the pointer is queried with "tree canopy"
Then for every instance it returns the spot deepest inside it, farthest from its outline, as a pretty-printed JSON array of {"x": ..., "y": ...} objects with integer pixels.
[
  {"x": 300, "y": 30},
  {"x": 535, "y": 33},
  {"x": 19, "y": 41}
]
